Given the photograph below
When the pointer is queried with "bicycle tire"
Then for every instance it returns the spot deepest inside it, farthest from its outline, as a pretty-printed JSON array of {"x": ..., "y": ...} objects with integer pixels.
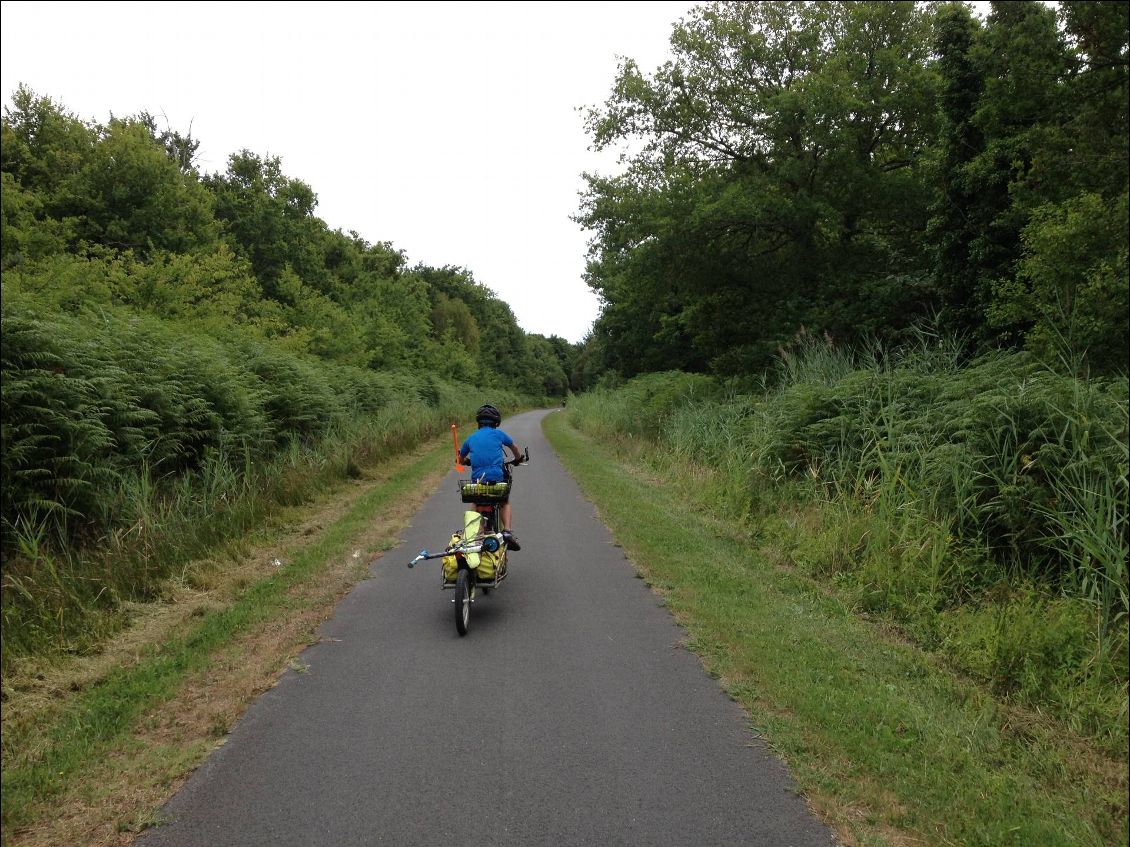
[{"x": 463, "y": 602}]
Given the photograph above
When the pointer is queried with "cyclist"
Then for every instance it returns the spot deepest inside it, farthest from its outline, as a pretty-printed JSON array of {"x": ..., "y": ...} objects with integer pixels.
[{"x": 485, "y": 449}]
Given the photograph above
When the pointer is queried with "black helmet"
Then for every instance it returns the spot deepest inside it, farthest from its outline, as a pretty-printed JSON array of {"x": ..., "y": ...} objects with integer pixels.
[{"x": 488, "y": 415}]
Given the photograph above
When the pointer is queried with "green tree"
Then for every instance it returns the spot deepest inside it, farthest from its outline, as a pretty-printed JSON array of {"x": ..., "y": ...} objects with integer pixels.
[
  {"x": 318, "y": 324},
  {"x": 112, "y": 186},
  {"x": 961, "y": 210},
  {"x": 129, "y": 195},
  {"x": 566, "y": 354},
  {"x": 1098, "y": 154},
  {"x": 1023, "y": 60},
  {"x": 547, "y": 375},
  {"x": 42, "y": 143},
  {"x": 26, "y": 233},
  {"x": 395, "y": 321},
  {"x": 453, "y": 318},
  {"x": 778, "y": 183},
  {"x": 182, "y": 149},
  {"x": 501, "y": 349},
  {"x": 1055, "y": 119},
  {"x": 1073, "y": 285},
  {"x": 270, "y": 219}
]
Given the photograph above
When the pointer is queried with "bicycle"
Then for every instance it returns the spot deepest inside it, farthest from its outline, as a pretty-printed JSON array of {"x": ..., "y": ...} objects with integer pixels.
[{"x": 476, "y": 557}]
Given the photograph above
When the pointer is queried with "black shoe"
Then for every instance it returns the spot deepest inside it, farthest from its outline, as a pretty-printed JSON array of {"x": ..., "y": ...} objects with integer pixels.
[{"x": 511, "y": 540}]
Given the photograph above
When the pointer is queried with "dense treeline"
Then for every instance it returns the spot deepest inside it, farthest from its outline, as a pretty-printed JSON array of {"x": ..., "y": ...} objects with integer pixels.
[
  {"x": 118, "y": 214},
  {"x": 114, "y": 220},
  {"x": 181, "y": 350},
  {"x": 855, "y": 168}
]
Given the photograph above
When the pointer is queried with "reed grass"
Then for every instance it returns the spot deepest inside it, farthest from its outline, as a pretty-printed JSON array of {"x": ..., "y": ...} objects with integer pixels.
[
  {"x": 971, "y": 502},
  {"x": 887, "y": 743},
  {"x": 131, "y": 446}
]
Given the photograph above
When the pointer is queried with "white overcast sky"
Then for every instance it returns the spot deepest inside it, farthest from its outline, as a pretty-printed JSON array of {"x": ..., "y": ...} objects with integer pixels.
[{"x": 448, "y": 129}]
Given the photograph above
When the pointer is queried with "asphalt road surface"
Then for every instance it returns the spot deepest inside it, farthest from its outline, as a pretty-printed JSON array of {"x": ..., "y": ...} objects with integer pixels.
[{"x": 568, "y": 715}]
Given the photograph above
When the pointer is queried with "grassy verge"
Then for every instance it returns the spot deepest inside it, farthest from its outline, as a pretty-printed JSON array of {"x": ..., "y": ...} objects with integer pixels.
[
  {"x": 889, "y": 746},
  {"x": 93, "y": 758},
  {"x": 64, "y": 598}
]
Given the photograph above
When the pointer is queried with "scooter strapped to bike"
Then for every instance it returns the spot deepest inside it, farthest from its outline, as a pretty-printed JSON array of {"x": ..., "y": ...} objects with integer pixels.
[{"x": 475, "y": 560}]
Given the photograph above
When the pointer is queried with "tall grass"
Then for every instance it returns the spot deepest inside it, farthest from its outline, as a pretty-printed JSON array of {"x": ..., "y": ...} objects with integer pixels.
[
  {"x": 131, "y": 446},
  {"x": 57, "y": 595},
  {"x": 970, "y": 501},
  {"x": 865, "y": 721},
  {"x": 1088, "y": 516}
]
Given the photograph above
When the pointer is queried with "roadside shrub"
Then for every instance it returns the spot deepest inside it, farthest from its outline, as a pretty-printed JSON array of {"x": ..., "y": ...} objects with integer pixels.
[
  {"x": 96, "y": 399},
  {"x": 131, "y": 445},
  {"x": 643, "y": 405},
  {"x": 936, "y": 491},
  {"x": 997, "y": 451}
]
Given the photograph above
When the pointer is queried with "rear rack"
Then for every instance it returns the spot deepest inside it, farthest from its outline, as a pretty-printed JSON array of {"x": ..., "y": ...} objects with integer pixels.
[{"x": 499, "y": 576}]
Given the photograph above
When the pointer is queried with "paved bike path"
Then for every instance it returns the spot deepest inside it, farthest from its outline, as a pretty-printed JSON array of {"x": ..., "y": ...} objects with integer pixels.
[{"x": 568, "y": 715}]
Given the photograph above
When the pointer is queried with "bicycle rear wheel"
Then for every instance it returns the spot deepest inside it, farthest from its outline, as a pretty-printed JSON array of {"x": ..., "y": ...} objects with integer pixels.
[{"x": 463, "y": 601}]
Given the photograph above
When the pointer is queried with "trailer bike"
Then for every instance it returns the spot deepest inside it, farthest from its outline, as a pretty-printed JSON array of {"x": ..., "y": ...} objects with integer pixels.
[{"x": 475, "y": 559}]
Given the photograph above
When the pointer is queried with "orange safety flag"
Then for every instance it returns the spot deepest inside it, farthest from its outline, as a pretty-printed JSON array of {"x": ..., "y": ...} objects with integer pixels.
[{"x": 455, "y": 443}]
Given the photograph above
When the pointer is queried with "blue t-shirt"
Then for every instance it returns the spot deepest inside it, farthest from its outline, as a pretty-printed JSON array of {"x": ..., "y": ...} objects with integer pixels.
[{"x": 487, "y": 458}]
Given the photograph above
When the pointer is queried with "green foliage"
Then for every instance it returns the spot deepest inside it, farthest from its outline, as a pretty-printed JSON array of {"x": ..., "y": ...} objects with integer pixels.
[
  {"x": 1023, "y": 645},
  {"x": 130, "y": 195},
  {"x": 926, "y": 488},
  {"x": 176, "y": 347},
  {"x": 23, "y": 233},
  {"x": 546, "y": 374},
  {"x": 130, "y": 445},
  {"x": 1073, "y": 283},
  {"x": 643, "y": 406},
  {"x": 778, "y": 184},
  {"x": 43, "y": 145},
  {"x": 454, "y": 317},
  {"x": 857, "y": 167},
  {"x": 270, "y": 219},
  {"x": 961, "y": 208},
  {"x": 983, "y": 449},
  {"x": 112, "y": 186},
  {"x": 117, "y": 213},
  {"x": 91, "y": 397},
  {"x": 1097, "y": 155},
  {"x": 88, "y": 397}
]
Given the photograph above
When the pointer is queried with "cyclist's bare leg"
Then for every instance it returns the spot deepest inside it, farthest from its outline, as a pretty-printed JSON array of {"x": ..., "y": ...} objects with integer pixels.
[{"x": 511, "y": 539}]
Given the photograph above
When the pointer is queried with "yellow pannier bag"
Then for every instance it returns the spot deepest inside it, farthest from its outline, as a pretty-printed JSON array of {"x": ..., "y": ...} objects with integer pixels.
[
  {"x": 450, "y": 566},
  {"x": 488, "y": 564},
  {"x": 484, "y": 564}
]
